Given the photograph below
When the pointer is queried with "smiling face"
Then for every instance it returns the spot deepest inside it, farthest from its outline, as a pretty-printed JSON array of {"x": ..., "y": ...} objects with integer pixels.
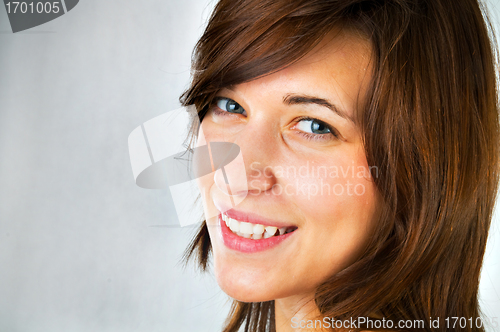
[{"x": 306, "y": 173}]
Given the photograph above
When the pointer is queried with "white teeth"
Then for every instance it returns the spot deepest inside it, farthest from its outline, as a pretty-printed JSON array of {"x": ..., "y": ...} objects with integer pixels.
[
  {"x": 234, "y": 226},
  {"x": 271, "y": 229},
  {"x": 253, "y": 231},
  {"x": 246, "y": 227},
  {"x": 258, "y": 229},
  {"x": 267, "y": 235}
]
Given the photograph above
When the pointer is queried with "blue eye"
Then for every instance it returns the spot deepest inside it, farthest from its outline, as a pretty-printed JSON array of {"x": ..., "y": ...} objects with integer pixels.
[
  {"x": 313, "y": 126},
  {"x": 229, "y": 105}
]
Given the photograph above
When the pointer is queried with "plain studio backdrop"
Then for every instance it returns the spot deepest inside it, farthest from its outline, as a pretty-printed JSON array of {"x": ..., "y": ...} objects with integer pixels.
[{"x": 82, "y": 248}]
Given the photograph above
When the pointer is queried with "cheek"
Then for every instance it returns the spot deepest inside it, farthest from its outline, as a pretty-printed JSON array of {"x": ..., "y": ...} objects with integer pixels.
[
  {"x": 340, "y": 228},
  {"x": 203, "y": 170},
  {"x": 338, "y": 204},
  {"x": 205, "y": 185},
  {"x": 344, "y": 205},
  {"x": 341, "y": 180}
]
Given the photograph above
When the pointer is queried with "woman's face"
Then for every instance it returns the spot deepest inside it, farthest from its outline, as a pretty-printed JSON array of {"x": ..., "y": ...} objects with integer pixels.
[{"x": 306, "y": 173}]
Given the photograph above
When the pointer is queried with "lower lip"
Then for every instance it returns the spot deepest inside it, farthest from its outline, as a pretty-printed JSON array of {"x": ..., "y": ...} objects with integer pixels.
[{"x": 238, "y": 243}]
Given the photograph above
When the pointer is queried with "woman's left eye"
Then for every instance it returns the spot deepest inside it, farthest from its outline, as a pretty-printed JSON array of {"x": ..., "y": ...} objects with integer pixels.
[
  {"x": 315, "y": 129},
  {"x": 230, "y": 106}
]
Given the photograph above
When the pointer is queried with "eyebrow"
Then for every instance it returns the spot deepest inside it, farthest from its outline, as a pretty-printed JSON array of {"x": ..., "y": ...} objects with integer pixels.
[{"x": 293, "y": 99}]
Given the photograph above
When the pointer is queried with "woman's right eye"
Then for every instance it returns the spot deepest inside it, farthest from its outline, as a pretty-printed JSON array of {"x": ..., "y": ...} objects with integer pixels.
[{"x": 230, "y": 106}]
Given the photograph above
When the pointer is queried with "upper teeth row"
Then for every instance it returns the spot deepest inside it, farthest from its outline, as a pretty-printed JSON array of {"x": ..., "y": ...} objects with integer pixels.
[{"x": 249, "y": 230}]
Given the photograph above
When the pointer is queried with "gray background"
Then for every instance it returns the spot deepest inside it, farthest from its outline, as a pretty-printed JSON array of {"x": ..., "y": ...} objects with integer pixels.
[{"x": 80, "y": 249}]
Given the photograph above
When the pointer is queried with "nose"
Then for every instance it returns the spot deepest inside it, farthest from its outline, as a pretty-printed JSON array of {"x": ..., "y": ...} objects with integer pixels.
[{"x": 250, "y": 172}]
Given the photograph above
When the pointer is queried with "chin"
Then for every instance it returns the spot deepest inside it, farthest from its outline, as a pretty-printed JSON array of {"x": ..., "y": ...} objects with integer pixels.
[
  {"x": 245, "y": 284},
  {"x": 244, "y": 292}
]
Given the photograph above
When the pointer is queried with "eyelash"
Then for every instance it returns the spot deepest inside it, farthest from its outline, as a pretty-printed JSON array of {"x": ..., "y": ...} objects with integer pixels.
[
  {"x": 217, "y": 111},
  {"x": 309, "y": 136},
  {"x": 318, "y": 137}
]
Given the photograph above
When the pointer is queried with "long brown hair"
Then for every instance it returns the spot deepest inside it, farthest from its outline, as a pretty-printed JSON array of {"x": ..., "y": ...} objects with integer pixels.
[{"x": 430, "y": 125}]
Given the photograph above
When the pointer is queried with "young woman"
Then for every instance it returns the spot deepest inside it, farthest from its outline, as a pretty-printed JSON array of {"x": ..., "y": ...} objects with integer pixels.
[{"x": 370, "y": 137}]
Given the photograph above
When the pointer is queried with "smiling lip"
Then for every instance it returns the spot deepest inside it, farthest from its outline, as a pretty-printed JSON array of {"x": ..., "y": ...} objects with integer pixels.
[
  {"x": 238, "y": 243},
  {"x": 254, "y": 219}
]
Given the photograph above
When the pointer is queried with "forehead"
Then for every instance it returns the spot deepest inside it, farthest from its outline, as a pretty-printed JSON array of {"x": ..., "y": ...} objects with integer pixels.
[{"x": 339, "y": 68}]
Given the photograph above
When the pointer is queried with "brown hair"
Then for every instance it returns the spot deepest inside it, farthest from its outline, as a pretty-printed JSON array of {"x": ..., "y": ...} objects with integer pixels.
[{"x": 430, "y": 125}]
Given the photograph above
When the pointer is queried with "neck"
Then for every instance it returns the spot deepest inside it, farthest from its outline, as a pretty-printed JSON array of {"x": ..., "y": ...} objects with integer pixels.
[{"x": 297, "y": 313}]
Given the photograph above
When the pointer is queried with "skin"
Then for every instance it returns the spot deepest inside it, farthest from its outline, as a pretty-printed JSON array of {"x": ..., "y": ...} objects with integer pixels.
[{"x": 332, "y": 228}]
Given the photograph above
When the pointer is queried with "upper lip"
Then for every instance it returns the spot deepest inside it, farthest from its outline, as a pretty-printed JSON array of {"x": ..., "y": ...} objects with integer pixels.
[{"x": 254, "y": 218}]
